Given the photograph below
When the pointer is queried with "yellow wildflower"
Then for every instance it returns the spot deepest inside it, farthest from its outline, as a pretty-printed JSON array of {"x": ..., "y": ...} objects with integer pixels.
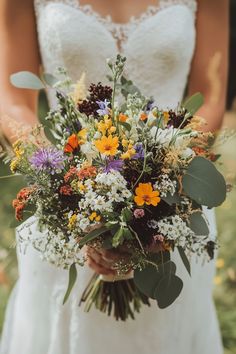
[
  {"x": 104, "y": 125},
  {"x": 72, "y": 221},
  {"x": 82, "y": 135},
  {"x": 128, "y": 154},
  {"x": 13, "y": 165},
  {"x": 107, "y": 145},
  {"x": 94, "y": 216},
  {"x": 124, "y": 142},
  {"x": 112, "y": 129},
  {"x": 81, "y": 187},
  {"x": 18, "y": 149}
]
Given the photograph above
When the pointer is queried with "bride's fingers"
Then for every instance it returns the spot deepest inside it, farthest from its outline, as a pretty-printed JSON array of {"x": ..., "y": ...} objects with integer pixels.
[
  {"x": 97, "y": 257},
  {"x": 113, "y": 255},
  {"x": 98, "y": 268}
]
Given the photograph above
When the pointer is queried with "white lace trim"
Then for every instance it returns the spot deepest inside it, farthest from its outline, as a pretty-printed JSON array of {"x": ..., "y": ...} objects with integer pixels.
[{"x": 121, "y": 31}]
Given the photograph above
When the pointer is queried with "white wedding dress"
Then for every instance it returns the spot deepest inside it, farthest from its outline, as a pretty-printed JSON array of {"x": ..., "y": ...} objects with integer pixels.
[{"x": 159, "y": 46}]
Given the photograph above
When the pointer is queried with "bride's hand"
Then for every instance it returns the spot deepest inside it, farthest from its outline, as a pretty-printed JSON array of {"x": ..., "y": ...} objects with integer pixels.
[{"x": 102, "y": 261}]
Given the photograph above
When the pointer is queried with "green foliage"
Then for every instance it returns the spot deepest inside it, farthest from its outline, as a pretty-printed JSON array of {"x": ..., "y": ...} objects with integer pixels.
[
  {"x": 92, "y": 235},
  {"x": 184, "y": 259},
  {"x": 71, "y": 283},
  {"x": 204, "y": 183},
  {"x": 159, "y": 282},
  {"x": 27, "y": 80},
  {"x": 193, "y": 103},
  {"x": 198, "y": 224}
]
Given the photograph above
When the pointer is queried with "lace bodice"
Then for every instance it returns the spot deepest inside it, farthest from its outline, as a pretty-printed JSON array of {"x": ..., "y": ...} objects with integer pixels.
[{"x": 158, "y": 44}]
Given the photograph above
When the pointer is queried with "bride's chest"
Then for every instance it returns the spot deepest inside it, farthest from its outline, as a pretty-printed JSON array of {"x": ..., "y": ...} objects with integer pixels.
[{"x": 67, "y": 29}]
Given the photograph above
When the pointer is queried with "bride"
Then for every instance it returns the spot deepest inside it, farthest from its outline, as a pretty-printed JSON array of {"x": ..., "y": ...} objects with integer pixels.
[{"x": 169, "y": 44}]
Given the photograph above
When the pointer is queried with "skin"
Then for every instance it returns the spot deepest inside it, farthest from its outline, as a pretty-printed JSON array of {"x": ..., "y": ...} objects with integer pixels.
[{"x": 19, "y": 51}]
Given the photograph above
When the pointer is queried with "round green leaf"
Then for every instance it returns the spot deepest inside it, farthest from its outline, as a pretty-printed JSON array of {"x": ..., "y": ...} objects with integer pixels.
[
  {"x": 148, "y": 278},
  {"x": 26, "y": 80},
  {"x": 204, "y": 183},
  {"x": 198, "y": 224},
  {"x": 50, "y": 79},
  {"x": 168, "y": 289}
]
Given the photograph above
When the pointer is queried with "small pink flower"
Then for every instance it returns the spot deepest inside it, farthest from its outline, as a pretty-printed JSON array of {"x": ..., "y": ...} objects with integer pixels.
[
  {"x": 139, "y": 213},
  {"x": 158, "y": 238}
]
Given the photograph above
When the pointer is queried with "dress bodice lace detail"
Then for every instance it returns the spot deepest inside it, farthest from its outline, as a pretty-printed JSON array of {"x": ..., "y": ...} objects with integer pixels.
[
  {"x": 158, "y": 44},
  {"x": 121, "y": 31}
]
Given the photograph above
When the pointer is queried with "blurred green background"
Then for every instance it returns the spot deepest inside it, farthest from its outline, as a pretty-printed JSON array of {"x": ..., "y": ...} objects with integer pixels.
[{"x": 225, "y": 279}]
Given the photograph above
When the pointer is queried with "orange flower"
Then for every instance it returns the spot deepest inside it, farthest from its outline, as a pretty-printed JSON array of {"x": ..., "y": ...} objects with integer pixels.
[
  {"x": 107, "y": 145},
  {"x": 146, "y": 195},
  {"x": 199, "y": 151},
  {"x": 72, "y": 143},
  {"x": 86, "y": 172},
  {"x": 143, "y": 116},
  {"x": 166, "y": 116},
  {"x": 122, "y": 117}
]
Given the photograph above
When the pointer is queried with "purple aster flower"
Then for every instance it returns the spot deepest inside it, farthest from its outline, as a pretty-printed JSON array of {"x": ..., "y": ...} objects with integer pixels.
[
  {"x": 150, "y": 105},
  {"x": 48, "y": 159},
  {"x": 139, "y": 152},
  {"x": 103, "y": 107},
  {"x": 115, "y": 165}
]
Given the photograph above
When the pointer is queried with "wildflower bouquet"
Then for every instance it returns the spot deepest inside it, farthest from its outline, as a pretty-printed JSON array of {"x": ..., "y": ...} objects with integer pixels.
[{"x": 121, "y": 174}]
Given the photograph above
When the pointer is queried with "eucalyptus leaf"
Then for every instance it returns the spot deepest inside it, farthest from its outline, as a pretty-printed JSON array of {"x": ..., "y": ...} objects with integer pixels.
[
  {"x": 128, "y": 87},
  {"x": 148, "y": 278},
  {"x": 168, "y": 289},
  {"x": 193, "y": 103},
  {"x": 184, "y": 259},
  {"x": 92, "y": 235},
  {"x": 198, "y": 224},
  {"x": 50, "y": 135},
  {"x": 26, "y": 80},
  {"x": 203, "y": 183},
  {"x": 172, "y": 199},
  {"x": 71, "y": 283},
  {"x": 159, "y": 257},
  {"x": 107, "y": 243},
  {"x": 50, "y": 79},
  {"x": 127, "y": 126}
]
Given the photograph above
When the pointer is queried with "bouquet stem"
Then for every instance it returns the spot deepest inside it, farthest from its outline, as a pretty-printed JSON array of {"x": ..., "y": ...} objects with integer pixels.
[{"x": 119, "y": 296}]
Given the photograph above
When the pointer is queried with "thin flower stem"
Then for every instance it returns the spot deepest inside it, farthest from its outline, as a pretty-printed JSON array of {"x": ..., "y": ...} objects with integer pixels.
[
  {"x": 144, "y": 164},
  {"x": 9, "y": 176}
]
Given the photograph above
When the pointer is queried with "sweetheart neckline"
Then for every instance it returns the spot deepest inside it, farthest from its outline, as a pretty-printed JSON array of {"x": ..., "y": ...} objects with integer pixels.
[{"x": 121, "y": 31}]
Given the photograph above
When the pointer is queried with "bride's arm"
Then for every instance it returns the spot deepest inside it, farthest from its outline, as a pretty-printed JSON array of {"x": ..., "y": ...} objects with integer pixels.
[
  {"x": 210, "y": 63},
  {"x": 19, "y": 51}
]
